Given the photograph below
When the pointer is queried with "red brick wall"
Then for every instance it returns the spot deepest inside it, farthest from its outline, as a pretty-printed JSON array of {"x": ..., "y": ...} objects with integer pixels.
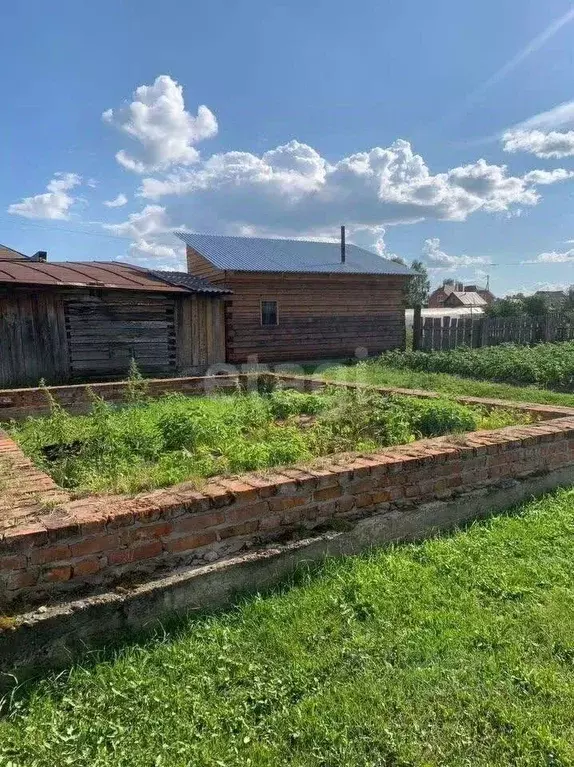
[
  {"x": 92, "y": 542},
  {"x": 20, "y": 403}
]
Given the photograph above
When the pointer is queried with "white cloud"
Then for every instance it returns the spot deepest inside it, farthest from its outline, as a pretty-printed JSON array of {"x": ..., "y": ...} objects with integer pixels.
[
  {"x": 158, "y": 120},
  {"x": 117, "y": 202},
  {"x": 540, "y": 135},
  {"x": 152, "y": 220},
  {"x": 543, "y": 177},
  {"x": 152, "y": 237},
  {"x": 552, "y": 257},
  {"x": 561, "y": 116},
  {"x": 544, "y": 145},
  {"x": 292, "y": 190},
  {"x": 55, "y": 203},
  {"x": 444, "y": 262}
]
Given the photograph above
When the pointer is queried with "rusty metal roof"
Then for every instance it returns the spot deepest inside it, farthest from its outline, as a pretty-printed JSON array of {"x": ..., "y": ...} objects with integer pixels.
[
  {"x": 85, "y": 274},
  {"x": 9, "y": 254}
]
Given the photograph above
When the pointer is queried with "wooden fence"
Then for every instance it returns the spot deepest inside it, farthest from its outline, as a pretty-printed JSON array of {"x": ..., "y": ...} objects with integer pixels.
[{"x": 442, "y": 333}]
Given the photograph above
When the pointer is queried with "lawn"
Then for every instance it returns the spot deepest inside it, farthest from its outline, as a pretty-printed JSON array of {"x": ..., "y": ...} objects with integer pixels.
[
  {"x": 155, "y": 443},
  {"x": 456, "y": 651},
  {"x": 394, "y": 371}
]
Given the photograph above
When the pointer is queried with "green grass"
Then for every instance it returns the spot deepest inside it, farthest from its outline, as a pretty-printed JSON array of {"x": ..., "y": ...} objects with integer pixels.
[
  {"x": 155, "y": 443},
  {"x": 458, "y": 651},
  {"x": 545, "y": 365},
  {"x": 381, "y": 373}
]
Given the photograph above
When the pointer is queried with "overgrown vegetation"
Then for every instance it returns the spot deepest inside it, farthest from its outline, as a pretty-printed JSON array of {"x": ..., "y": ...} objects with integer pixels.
[
  {"x": 458, "y": 651},
  {"x": 155, "y": 443},
  {"x": 549, "y": 365}
]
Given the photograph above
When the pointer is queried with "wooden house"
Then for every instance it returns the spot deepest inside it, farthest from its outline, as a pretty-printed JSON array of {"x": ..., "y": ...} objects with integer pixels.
[
  {"x": 301, "y": 300},
  {"x": 76, "y": 321},
  {"x": 439, "y": 298},
  {"x": 464, "y": 299}
]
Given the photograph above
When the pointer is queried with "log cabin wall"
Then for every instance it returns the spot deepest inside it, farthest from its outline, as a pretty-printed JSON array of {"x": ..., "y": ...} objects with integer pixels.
[
  {"x": 65, "y": 334},
  {"x": 33, "y": 340},
  {"x": 320, "y": 315}
]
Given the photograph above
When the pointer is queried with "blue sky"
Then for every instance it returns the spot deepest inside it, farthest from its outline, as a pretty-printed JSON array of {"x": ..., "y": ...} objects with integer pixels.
[{"x": 442, "y": 131}]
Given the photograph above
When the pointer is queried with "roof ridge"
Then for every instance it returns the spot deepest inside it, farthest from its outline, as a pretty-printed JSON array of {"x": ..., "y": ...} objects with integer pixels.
[
  {"x": 182, "y": 234},
  {"x": 287, "y": 255}
]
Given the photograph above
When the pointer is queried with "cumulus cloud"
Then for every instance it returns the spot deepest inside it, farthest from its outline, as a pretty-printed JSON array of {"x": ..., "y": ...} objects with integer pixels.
[
  {"x": 293, "y": 190},
  {"x": 152, "y": 238},
  {"x": 552, "y": 257},
  {"x": 444, "y": 262},
  {"x": 158, "y": 120},
  {"x": 541, "y": 135},
  {"x": 54, "y": 203},
  {"x": 117, "y": 202},
  {"x": 543, "y": 177}
]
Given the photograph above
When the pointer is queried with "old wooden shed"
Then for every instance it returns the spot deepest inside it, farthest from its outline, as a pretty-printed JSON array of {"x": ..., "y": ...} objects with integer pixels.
[
  {"x": 302, "y": 299},
  {"x": 75, "y": 321}
]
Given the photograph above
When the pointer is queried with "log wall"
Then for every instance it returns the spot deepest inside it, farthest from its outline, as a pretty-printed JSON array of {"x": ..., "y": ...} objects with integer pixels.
[
  {"x": 320, "y": 316},
  {"x": 64, "y": 335}
]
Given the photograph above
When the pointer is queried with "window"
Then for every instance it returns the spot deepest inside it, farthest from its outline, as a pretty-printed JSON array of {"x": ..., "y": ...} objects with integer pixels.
[{"x": 269, "y": 313}]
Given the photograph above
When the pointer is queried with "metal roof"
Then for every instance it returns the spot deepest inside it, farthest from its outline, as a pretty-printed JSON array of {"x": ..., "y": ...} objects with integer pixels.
[
  {"x": 91, "y": 274},
  {"x": 469, "y": 298},
  {"x": 9, "y": 254},
  {"x": 257, "y": 254},
  {"x": 186, "y": 280}
]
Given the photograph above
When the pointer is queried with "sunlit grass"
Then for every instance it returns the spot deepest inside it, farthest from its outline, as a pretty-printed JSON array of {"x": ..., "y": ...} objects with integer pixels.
[{"x": 457, "y": 651}]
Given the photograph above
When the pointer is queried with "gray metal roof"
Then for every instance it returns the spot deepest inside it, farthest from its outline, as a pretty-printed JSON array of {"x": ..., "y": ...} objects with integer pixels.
[
  {"x": 185, "y": 280},
  {"x": 257, "y": 254}
]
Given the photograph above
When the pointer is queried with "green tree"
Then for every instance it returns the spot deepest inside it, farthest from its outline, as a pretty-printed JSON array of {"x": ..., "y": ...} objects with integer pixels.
[
  {"x": 569, "y": 300},
  {"x": 419, "y": 286},
  {"x": 505, "y": 307},
  {"x": 535, "y": 306}
]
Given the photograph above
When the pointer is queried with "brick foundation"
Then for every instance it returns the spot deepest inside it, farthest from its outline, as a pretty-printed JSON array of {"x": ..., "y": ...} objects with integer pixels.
[
  {"x": 59, "y": 546},
  {"x": 75, "y": 398}
]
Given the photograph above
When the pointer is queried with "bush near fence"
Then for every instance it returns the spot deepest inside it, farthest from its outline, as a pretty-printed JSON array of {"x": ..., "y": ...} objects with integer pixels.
[{"x": 548, "y": 365}]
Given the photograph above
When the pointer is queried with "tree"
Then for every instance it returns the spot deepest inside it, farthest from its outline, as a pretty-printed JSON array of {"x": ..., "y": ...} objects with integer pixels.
[
  {"x": 505, "y": 307},
  {"x": 569, "y": 300},
  {"x": 535, "y": 306},
  {"x": 418, "y": 289}
]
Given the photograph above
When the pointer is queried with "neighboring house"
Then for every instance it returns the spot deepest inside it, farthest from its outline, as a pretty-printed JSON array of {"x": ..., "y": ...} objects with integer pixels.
[
  {"x": 555, "y": 299},
  {"x": 489, "y": 297},
  {"x": 438, "y": 297},
  {"x": 9, "y": 254},
  {"x": 469, "y": 299},
  {"x": 302, "y": 300},
  {"x": 71, "y": 321}
]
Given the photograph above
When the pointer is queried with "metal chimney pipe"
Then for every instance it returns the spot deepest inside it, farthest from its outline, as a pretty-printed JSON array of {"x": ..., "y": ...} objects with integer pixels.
[{"x": 342, "y": 244}]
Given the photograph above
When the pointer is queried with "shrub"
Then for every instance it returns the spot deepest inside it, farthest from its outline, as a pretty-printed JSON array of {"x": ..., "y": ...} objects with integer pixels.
[
  {"x": 431, "y": 418},
  {"x": 289, "y": 402}
]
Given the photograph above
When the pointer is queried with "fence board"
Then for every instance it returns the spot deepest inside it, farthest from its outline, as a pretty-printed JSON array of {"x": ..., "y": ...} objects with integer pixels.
[{"x": 443, "y": 333}]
